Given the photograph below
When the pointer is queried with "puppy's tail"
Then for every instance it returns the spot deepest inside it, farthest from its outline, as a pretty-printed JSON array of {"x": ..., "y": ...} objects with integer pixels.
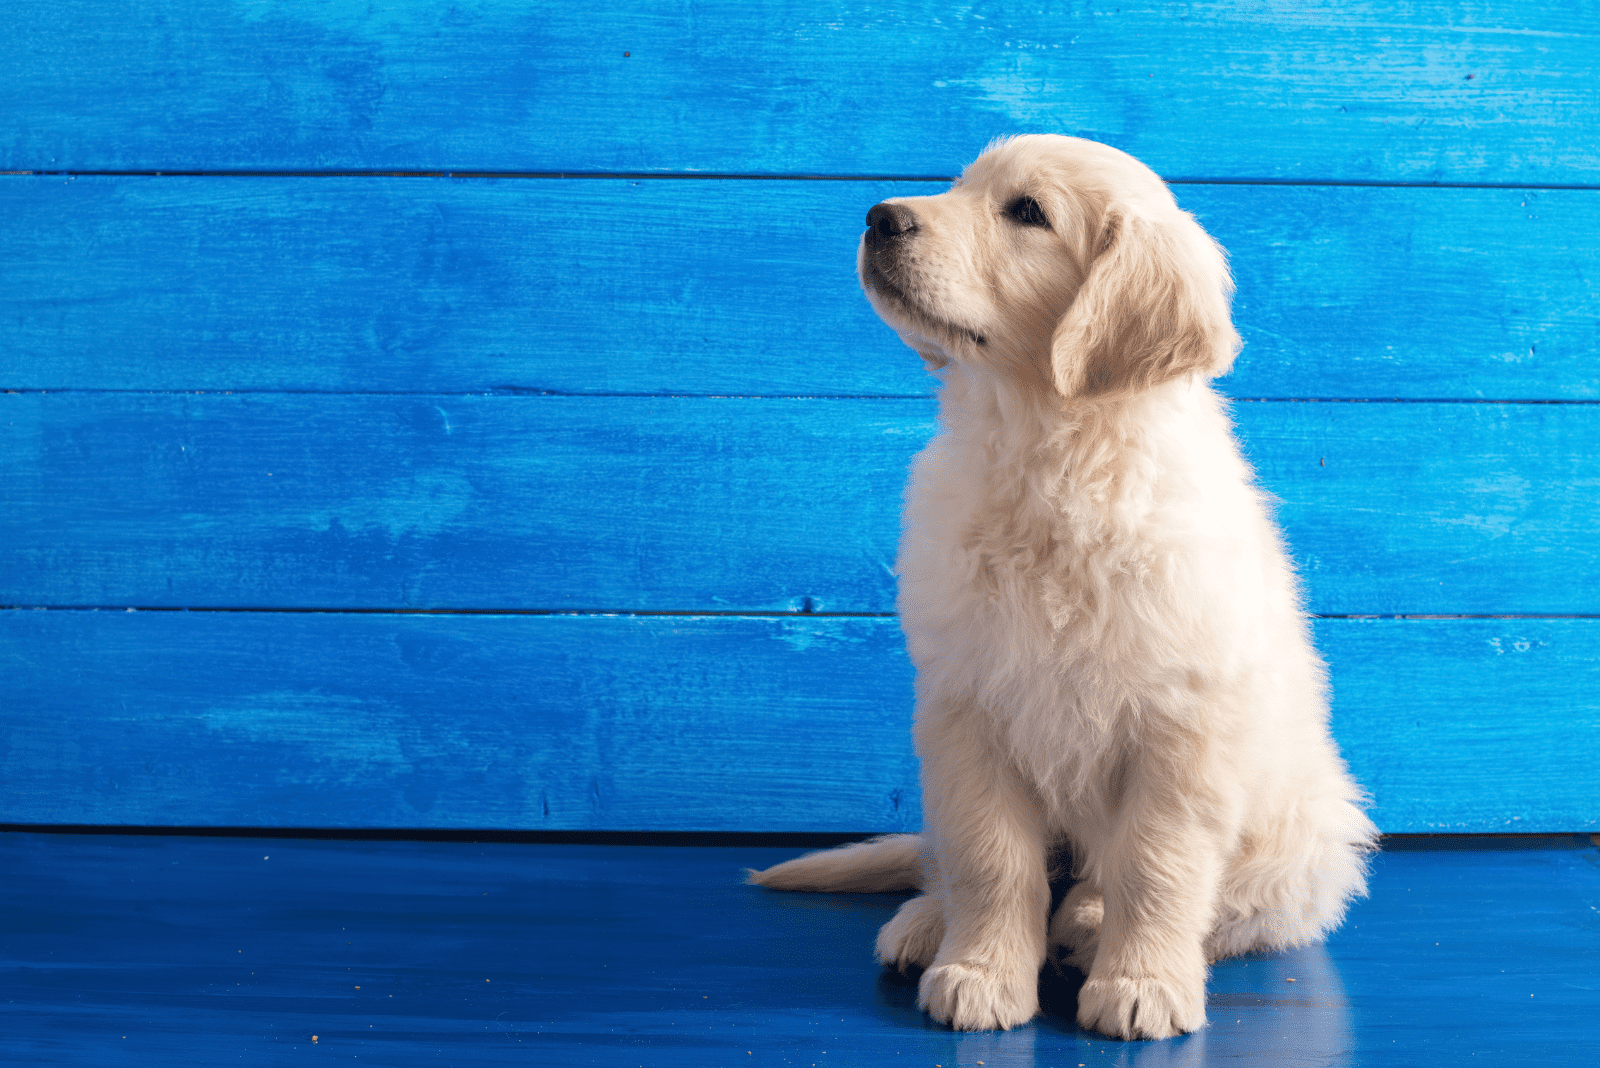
[{"x": 878, "y": 865}]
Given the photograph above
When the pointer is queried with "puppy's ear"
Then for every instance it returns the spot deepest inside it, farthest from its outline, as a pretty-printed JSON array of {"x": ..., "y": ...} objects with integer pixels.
[{"x": 1155, "y": 305}]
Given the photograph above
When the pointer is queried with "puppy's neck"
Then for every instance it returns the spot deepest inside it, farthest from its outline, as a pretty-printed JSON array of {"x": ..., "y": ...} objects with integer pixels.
[
  {"x": 1032, "y": 449},
  {"x": 1003, "y": 408}
]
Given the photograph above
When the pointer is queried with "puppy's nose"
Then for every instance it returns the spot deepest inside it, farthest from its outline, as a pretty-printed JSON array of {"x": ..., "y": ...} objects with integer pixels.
[{"x": 887, "y": 221}]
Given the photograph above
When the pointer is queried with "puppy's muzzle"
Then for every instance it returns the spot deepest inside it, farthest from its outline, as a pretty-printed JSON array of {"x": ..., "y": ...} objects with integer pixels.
[
  {"x": 889, "y": 225},
  {"x": 887, "y": 245},
  {"x": 888, "y": 269}
]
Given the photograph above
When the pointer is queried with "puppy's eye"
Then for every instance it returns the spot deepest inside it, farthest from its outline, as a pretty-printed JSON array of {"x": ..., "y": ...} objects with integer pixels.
[{"x": 1027, "y": 211}]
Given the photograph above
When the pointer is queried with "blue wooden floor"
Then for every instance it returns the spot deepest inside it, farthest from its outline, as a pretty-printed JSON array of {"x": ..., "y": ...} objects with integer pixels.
[{"x": 124, "y": 949}]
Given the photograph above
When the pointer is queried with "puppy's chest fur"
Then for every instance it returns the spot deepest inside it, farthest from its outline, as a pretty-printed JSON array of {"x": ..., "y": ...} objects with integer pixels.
[{"x": 1063, "y": 572}]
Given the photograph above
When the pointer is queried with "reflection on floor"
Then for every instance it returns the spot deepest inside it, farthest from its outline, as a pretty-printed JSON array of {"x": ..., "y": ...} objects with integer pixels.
[{"x": 127, "y": 949}]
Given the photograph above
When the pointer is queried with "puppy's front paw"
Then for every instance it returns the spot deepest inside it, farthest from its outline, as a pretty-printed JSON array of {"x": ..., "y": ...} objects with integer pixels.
[
  {"x": 912, "y": 938},
  {"x": 970, "y": 997},
  {"x": 1125, "y": 1007}
]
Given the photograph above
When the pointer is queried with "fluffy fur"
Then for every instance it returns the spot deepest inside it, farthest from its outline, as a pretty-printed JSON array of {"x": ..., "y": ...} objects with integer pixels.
[{"x": 1111, "y": 651}]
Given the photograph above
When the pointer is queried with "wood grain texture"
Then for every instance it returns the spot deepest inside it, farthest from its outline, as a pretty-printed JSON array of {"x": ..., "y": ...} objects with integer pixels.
[
  {"x": 729, "y": 287},
  {"x": 544, "y": 722},
  {"x": 492, "y": 955},
  {"x": 468, "y": 501},
  {"x": 1410, "y": 293},
  {"x": 1435, "y": 508},
  {"x": 1423, "y": 91},
  {"x": 708, "y": 504},
  {"x": 678, "y": 723},
  {"x": 388, "y": 337},
  {"x": 1506, "y": 710}
]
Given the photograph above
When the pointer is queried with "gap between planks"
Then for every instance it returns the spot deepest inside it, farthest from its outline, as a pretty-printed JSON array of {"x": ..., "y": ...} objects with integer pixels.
[
  {"x": 794, "y": 839},
  {"x": 534, "y": 391},
  {"x": 731, "y": 176},
  {"x": 688, "y": 613}
]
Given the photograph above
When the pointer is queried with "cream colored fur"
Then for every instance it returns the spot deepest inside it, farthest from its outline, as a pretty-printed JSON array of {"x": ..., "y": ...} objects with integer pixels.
[{"x": 1110, "y": 646}]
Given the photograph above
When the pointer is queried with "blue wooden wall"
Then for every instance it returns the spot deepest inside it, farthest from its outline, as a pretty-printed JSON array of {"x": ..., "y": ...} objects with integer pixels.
[{"x": 465, "y": 416}]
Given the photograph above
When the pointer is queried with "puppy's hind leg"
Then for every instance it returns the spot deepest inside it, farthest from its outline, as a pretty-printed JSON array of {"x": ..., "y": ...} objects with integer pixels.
[
  {"x": 1075, "y": 928},
  {"x": 911, "y": 939}
]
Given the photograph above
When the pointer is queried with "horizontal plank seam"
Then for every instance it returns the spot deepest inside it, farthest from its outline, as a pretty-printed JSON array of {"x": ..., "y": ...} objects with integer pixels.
[
  {"x": 757, "y": 177},
  {"x": 663, "y": 838},
  {"x": 1410, "y": 400},
  {"x": 675, "y": 613},
  {"x": 519, "y": 391},
  {"x": 672, "y": 613},
  {"x": 1452, "y": 615},
  {"x": 652, "y": 176},
  {"x": 799, "y": 839},
  {"x": 492, "y": 391}
]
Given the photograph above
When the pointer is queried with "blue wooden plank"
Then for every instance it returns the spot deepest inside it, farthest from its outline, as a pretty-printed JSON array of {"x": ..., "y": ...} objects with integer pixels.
[
  {"x": 545, "y": 722},
  {"x": 1415, "y": 293},
  {"x": 1434, "y": 508},
  {"x": 574, "y": 286},
  {"x": 677, "y": 723},
  {"x": 1424, "y": 91},
  {"x": 464, "y": 501},
  {"x": 1499, "y": 716},
  {"x": 607, "y": 286},
  {"x": 708, "y": 504},
  {"x": 160, "y": 951}
]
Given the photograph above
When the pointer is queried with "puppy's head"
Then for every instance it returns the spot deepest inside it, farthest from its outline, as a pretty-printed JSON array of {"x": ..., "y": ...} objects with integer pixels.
[{"x": 1058, "y": 261}]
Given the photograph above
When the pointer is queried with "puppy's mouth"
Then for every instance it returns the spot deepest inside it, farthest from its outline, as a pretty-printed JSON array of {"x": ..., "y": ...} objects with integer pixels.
[{"x": 879, "y": 285}]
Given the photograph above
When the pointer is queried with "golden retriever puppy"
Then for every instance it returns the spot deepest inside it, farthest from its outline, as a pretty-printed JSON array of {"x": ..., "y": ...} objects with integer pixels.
[{"x": 1111, "y": 651}]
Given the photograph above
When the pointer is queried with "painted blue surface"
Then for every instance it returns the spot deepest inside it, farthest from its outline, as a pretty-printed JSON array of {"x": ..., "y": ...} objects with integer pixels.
[
  {"x": 383, "y": 339},
  {"x": 160, "y": 951},
  {"x": 747, "y": 288},
  {"x": 679, "y": 723},
  {"x": 711, "y": 504},
  {"x": 1420, "y": 91},
  {"x": 318, "y": 397}
]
